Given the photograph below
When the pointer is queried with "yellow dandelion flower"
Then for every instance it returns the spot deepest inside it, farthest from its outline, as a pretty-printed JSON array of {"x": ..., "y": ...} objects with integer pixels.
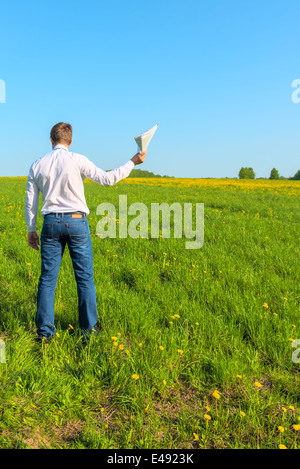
[
  {"x": 57, "y": 334},
  {"x": 165, "y": 382},
  {"x": 285, "y": 299},
  {"x": 121, "y": 347},
  {"x": 176, "y": 316},
  {"x": 239, "y": 376},
  {"x": 257, "y": 384},
  {"x": 242, "y": 413},
  {"x": 114, "y": 338},
  {"x": 102, "y": 409},
  {"x": 135, "y": 376},
  {"x": 70, "y": 326},
  {"x": 180, "y": 351},
  {"x": 296, "y": 427},
  {"x": 281, "y": 429},
  {"x": 161, "y": 347},
  {"x": 291, "y": 407},
  {"x": 282, "y": 446},
  {"x": 197, "y": 323},
  {"x": 115, "y": 344},
  {"x": 207, "y": 417},
  {"x": 140, "y": 344},
  {"x": 171, "y": 322},
  {"x": 196, "y": 436},
  {"x": 216, "y": 394},
  {"x": 284, "y": 409},
  {"x": 207, "y": 408},
  {"x": 265, "y": 305}
]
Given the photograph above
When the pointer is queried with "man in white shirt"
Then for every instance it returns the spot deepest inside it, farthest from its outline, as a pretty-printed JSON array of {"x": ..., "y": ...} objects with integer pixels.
[{"x": 59, "y": 176}]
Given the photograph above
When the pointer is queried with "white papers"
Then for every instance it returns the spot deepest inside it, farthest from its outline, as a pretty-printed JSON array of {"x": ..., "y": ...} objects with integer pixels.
[{"x": 143, "y": 140}]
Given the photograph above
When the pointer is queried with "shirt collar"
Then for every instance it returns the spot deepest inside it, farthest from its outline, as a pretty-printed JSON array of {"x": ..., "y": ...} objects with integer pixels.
[{"x": 60, "y": 146}]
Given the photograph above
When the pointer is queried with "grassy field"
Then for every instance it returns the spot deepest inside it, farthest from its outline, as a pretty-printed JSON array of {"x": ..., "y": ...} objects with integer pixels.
[{"x": 194, "y": 348}]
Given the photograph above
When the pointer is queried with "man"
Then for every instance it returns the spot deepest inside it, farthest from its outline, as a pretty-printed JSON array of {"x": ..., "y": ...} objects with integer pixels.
[{"x": 59, "y": 177}]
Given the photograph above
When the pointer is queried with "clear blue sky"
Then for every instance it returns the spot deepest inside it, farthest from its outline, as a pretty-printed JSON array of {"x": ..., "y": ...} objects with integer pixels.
[{"x": 216, "y": 75}]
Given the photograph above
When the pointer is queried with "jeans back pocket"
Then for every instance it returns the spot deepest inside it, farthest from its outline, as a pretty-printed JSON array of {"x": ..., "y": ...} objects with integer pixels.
[{"x": 77, "y": 231}]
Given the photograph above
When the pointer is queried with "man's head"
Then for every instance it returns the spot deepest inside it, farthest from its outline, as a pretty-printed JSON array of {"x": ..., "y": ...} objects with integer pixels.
[{"x": 61, "y": 133}]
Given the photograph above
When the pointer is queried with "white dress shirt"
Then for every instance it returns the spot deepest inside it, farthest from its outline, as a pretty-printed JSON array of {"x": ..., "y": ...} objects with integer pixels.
[{"x": 59, "y": 176}]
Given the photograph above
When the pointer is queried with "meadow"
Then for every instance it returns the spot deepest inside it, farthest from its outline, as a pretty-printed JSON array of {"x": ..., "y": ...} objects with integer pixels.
[{"x": 194, "y": 347}]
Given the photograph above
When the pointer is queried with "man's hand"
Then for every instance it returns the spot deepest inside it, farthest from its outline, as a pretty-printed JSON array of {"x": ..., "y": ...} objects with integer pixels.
[
  {"x": 34, "y": 240},
  {"x": 139, "y": 157}
]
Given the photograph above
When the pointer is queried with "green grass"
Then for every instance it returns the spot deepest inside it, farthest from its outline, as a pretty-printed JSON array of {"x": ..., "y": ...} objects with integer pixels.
[{"x": 231, "y": 308}]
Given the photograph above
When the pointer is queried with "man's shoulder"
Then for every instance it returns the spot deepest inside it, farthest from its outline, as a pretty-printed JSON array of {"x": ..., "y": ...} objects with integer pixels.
[
  {"x": 45, "y": 157},
  {"x": 80, "y": 159},
  {"x": 41, "y": 158},
  {"x": 77, "y": 155}
]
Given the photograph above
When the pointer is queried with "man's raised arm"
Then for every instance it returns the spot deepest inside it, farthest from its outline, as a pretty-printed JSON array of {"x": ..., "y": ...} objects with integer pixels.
[{"x": 109, "y": 178}]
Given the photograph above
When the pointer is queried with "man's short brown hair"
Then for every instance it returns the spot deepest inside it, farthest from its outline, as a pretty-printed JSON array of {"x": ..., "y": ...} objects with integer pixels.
[{"x": 61, "y": 133}]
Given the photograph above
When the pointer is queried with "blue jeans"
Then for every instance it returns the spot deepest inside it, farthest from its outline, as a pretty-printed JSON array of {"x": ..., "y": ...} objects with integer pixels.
[{"x": 58, "y": 230}]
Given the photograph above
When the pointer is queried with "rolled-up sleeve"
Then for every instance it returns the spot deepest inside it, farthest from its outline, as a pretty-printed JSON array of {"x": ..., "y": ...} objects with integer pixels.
[
  {"x": 31, "y": 202},
  {"x": 98, "y": 175}
]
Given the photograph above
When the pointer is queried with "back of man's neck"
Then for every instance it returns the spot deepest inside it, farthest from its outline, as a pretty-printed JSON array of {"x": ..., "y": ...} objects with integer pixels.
[{"x": 60, "y": 144}]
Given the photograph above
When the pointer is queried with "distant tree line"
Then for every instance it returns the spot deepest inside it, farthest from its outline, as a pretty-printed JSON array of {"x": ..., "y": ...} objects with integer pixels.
[
  {"x": 244, "y": 173},
  {"x": 140, "y": 173},
  {"x": 248, "y": 173}
]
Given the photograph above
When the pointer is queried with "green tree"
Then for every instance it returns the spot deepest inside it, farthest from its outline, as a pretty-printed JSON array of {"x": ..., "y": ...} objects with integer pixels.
[
  {"x": 296, "y": 177},
  {"x": 242, "y": 173},
  {"x": 246, "y": 173},
  {"x": 274, "y": 174}
]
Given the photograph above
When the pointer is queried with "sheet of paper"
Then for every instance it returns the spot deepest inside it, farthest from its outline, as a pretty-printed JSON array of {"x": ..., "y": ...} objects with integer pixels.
[{"x": 143, "y": 140}]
